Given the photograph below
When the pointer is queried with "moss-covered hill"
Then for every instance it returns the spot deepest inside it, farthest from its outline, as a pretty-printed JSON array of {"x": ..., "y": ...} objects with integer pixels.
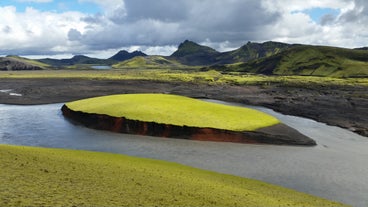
[
  {"x": 175, "y": 110},
  {"x": 310, "y": 61},
  {"x": 55, "y": 177}
]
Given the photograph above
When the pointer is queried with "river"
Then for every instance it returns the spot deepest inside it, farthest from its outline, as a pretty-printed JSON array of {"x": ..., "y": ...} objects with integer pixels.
[{"x": 336, "y": 169}]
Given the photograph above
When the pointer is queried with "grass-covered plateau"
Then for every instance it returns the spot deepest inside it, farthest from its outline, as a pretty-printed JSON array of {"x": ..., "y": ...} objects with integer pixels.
[{"x": 175, "y": 110}]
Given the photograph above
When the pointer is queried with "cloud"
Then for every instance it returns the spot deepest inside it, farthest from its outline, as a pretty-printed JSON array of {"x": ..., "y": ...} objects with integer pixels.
[
  {"x": 166, "y": 22},
  {"x": 33, "y": 31},
  {"x": 347, "y": 29},
  {"x": 74, "y": 35},
  {"x": 160, "y": 25}
]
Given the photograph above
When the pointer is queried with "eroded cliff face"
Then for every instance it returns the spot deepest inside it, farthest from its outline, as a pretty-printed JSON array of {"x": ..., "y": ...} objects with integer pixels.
[{"x": 279, "y": 134}]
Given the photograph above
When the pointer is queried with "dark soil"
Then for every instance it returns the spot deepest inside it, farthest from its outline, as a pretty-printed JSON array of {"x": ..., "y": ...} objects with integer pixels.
[
  {"x": 344, "y": 106},
  {"x": 279, "y": 134}
]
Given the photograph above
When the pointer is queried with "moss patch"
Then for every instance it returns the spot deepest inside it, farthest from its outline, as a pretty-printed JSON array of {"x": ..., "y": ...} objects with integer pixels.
[
  {"x": 175, "y": 110},
  {"x": 55, "y": 177}
]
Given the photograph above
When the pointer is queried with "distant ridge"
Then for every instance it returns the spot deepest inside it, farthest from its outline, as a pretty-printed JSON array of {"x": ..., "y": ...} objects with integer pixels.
[
  {"x": 123, "y": 55},
  {"x": 82, "y": 59},
  {"x": 269, "y": 58},
  {"x": 191, "y": 53},
  {"x": 77, "y": 59}
]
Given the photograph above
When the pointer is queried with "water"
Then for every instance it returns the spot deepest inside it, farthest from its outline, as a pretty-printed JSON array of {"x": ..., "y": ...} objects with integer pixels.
[
  {"x": 101, "y": 67},
  {"x": 336, "y": 169}
]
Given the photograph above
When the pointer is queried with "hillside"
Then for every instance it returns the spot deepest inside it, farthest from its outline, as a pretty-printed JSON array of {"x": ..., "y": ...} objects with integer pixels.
[
  {"x": 149, "y": 62},
  {"x": 20, "y": 63},
  {"x": 310, "y": 61},
  {"x": 190, "y": 53},
  {"x": 252, "y": 51},
  {"x": 57, "y": 177},
  {"x": 193, "y": 54}
]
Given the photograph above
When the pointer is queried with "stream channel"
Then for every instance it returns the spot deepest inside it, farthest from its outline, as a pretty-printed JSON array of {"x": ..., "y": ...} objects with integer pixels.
[{"x": 336, "y": 169}]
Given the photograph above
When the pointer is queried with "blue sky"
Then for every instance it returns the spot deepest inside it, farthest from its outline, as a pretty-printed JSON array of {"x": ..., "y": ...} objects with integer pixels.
[
  {"x": 100, "y": 28},
  {"x": 54, "y": 6},
  {"x": 317, "y": 13}
]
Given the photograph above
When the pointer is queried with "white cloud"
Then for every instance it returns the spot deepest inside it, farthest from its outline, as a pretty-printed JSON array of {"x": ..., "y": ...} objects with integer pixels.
[
  {"x": 295, "y": 26},
  {"x": 160, "y": 25},
  {"x": 33, "y": 31}
]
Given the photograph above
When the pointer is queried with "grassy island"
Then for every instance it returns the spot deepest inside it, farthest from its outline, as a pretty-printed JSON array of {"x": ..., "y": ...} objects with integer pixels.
[
  {"x": 175, "y": 110},
  {"x": 56, "y": 177}
]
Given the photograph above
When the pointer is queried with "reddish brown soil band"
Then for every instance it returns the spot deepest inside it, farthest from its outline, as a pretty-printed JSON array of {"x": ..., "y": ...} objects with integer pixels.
[{"x": 279, "y": 134}]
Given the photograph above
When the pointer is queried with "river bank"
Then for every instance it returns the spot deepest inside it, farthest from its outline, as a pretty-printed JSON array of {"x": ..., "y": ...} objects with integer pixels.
[{"x": 344, "y": 106}]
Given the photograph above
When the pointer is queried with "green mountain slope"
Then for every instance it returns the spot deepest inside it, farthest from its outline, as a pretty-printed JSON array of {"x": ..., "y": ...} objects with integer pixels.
[
  {"x": 311, "y": 61},
  {"x": 149, "y": 62},
  {"x": 20, "y": 63},
  {"x": 252, "y": 51}
]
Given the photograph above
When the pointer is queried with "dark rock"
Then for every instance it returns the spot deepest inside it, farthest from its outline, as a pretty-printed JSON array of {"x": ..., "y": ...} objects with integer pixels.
[{"x": 279, "y": 134}]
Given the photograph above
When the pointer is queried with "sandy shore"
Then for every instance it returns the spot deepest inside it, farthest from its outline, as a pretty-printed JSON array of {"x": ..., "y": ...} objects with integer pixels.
[{"x": 346, "y": 106}]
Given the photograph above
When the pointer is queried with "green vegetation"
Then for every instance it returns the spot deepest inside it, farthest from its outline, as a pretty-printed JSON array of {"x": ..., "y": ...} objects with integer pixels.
[
  {"x": 150, "y": 62},
  {"x": 192, "y": 76},
  {"x": 252, "y": 51},
  {"x": 56, "y": 177},
  {"x": 175, "y": 110},
  {"x": 309, "y": 61}
]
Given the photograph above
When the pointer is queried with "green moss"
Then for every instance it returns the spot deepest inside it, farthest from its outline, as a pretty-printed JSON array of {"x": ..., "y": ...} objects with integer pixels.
[
  {"x": 55, "y": 177},
  {"x": 176, "y": 110},
  {"x": 208, "y": 77}
]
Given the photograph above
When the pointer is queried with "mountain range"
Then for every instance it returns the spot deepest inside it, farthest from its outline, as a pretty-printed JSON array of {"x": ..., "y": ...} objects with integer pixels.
[{"x": 270, "y": 58}]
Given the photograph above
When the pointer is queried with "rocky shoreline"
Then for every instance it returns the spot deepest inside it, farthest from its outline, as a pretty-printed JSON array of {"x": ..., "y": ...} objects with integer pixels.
[
  {"x": 278, "y": 134},
  {"x": 343, "y": 106}
]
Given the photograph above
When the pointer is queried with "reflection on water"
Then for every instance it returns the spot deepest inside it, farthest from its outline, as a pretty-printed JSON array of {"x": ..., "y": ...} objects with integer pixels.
[{"x": 336, "y": 169}]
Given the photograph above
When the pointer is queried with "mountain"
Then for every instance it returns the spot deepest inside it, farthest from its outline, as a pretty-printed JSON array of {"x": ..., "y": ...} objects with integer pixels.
[
  {"x": 20, "y": 63},
  {"x": 193, "y": 54},
  {"x": 76, "y": 60},
  {"x": 123, "y": 55},
  {"x": 308, "y": 60},
  {"x": 85, "y": 60},
  {"x": 148, "y": 62},
  {"x": 361, "y": 48},
  {"x": 252, "y": 51}
]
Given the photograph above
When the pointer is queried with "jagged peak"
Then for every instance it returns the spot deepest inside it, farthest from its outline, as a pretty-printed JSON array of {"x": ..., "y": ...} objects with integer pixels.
[{"x": 190, "y": 48}]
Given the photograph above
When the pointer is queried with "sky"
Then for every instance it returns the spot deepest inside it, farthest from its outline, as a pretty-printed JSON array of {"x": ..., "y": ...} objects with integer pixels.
[{"x": 100, "y": 28}]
